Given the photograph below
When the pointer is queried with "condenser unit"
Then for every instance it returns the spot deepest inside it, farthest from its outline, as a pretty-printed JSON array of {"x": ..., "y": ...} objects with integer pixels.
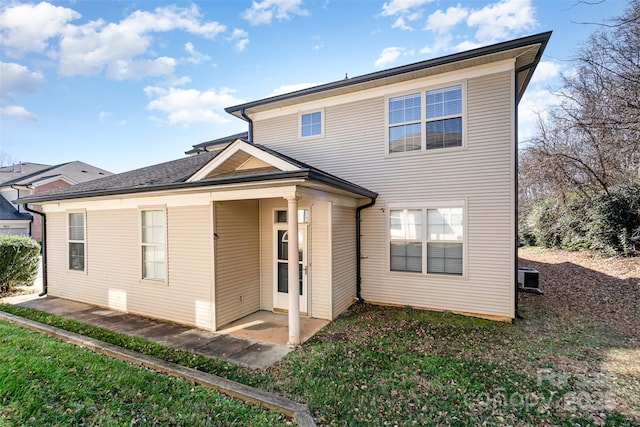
[{"x": 528, "y": 280}]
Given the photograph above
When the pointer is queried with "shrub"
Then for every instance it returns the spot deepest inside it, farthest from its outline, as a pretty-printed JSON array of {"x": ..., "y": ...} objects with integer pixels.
[
  {"x": 614, "y": 221},
  {"x": 573, "y": 223},
  {"x": 19, "y": 258},
  {"x": 544, "y": 223}
]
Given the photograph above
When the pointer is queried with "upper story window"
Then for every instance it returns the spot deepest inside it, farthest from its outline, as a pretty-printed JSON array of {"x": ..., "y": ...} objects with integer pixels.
[
  {"x": 311, "y": 124},
  {"x": 76, "y": 225},
  {"x": 405, "y": 124},
  {"x": 153, "y": 244},
  {"x": 444, "y": 117},
  {"x": 426, "y": 120}
]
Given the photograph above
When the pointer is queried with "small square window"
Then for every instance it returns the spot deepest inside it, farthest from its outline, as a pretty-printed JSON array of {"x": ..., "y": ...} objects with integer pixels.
[{"x": 311, "y": 124}]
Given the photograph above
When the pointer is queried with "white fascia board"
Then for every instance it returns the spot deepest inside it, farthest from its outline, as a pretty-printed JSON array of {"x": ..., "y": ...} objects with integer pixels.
[
  {"x": 233, "y": 148},
  {"x": 419, "y": 83}
]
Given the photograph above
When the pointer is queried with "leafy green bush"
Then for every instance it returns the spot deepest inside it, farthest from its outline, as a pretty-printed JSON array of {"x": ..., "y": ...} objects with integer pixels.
[
  {"x": 19, "y": 258},
  {"x": 573, "y": 222},
  {"x": 544, "y": 222},
  {"x": 614, "y": 221}
]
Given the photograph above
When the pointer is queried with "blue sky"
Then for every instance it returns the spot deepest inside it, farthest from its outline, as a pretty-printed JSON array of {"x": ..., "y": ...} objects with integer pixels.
[{"x": 125, "y": 84}]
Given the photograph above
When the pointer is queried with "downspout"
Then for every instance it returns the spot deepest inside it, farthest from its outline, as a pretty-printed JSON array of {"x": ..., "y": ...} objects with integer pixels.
[
  {"x": 248, "y": 119},
  {"x": 359, "y": 249},
  {"x": 44, "y": 247},
  {"x": 516, "y": 236}
]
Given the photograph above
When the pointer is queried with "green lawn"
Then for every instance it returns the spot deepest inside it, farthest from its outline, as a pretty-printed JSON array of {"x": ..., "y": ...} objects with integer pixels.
[
  {"x": 47, "y": 382},
  {"x": 573, "y": 361}
]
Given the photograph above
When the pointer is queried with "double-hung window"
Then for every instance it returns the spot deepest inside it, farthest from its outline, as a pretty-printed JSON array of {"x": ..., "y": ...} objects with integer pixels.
[
  {"x": 153, "y": 244},
  {"x": 427, "y": 240},
  {"x": 76, "y": 225},
  {"x": 444, "y": 117},
  {"x": 426, "y": 120},
  {"x": 311, "y": 124},
  {"x": 405, "y": 233},
  {"x": 405, "y": 125}
]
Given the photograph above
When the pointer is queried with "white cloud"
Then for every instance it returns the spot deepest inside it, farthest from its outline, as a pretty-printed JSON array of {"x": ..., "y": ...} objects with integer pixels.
[
  {"x": 442, "y": 42},
  {"x": 388, "y": 56},
  {"x": 29, "y": 27},
  {"x": 263, "y": 12},
  {"x": 395, "y": 7},
  {"x": 292, "y": 88},
  {"x": 123, "y": 69},
  {"x": 184, "y": 106},
  {"x": 499, "y": 20},
  {"x": 545, "y": 71},
  {"x": 195, "y": 57},
  {"x": 241, "y": 39},
  {"x": 103, "y": 115},
  {"x": 442, "y": 22},
  {"x": 400, "y": 24},
  {"x": 18, "y": 112},
  {"x": 122, "y": 48},
  {"x": 466, "y": 45},
  {"x": 18, "y": 78},
  {"x": 535, "y": 104}
]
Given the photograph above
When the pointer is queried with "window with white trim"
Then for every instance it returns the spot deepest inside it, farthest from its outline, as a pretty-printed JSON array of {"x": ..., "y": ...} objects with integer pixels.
[
  {"x": 311, "y": 124},
  {"x": 444, "y": 118},
  {"x": 440, "y": 126},
  {"x": 432, "y": 246},
  {"x": 76, "y": 225},
  {"x": 153, "y": 244},
  {"x": 445, "y": 235}
]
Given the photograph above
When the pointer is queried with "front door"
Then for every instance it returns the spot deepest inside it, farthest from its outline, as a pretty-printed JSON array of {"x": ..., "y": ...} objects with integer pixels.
[{"x": 281, "y": 282}]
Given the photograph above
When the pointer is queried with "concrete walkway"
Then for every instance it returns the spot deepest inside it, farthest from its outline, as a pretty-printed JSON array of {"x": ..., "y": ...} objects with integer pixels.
[{"x": 241, "y": 348}]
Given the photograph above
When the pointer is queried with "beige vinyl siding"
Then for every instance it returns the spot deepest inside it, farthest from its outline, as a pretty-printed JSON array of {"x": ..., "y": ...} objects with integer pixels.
[
  {"x": 237, "y": 259},
  {"x": 343, "y": 258},
  {"x": 186, "y": 295},
  {"x": 480, "y": 174},
  {"x": 113, "y": 271},
  {"x": 319, "y": 257}
]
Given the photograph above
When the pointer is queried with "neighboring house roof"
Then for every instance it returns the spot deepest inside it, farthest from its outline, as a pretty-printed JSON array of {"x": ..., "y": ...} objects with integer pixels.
[
  {"x": 32, "y": 173},
  {"x": 176, "y": 174},
  {"x": 9, "y": 213},
  {"x": 217, "y": 143},
  {"x": 526, "y": 51},
  {"x": 20, "y": 170}
]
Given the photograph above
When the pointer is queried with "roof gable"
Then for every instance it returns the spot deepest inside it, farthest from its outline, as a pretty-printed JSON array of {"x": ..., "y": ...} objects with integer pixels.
[{"x": 240, "y": 157}]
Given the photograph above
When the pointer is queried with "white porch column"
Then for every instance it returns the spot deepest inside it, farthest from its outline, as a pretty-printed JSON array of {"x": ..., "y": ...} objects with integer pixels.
[{"x": 293, "y": 272}]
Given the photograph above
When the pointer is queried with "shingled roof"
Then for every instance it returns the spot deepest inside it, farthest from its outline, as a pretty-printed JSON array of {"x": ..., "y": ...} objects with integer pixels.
[
  {"x": 31, "y": 173},
  {"x": 175, "y": 174},
  {"x": 217, "y": 143},
  {"x": 9, "y": 213},
  {"x": 175, "y": 171}
]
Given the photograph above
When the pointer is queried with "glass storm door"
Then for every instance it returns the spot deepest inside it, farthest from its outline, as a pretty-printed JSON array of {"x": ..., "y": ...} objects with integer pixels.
[{"x": 281, "y": 285}]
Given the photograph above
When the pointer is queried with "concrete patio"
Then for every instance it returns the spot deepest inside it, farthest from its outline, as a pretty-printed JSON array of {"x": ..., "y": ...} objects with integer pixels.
[{"x": 257, "y": 341}]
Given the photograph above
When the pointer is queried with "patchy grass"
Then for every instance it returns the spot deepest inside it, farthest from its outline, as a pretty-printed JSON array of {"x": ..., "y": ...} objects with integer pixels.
[
  {"x": 573, "y": 360},
  {"x": 47, "y": 382}
]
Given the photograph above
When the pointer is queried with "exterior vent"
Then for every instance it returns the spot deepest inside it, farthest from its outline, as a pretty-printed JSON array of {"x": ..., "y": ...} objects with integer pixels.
[{"x": 528, "y": 280}]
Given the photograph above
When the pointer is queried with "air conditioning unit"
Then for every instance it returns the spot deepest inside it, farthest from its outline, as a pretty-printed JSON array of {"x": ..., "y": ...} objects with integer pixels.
[{"x": 528, "y": 280}]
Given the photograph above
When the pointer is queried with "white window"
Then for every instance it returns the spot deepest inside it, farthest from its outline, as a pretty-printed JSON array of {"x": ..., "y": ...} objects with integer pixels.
[
  {"x": 444, "y": 117},
  {"x": 311, "y": 124},
  {"x": 405, "y": 125},
  {"x": 153, "y": 244},
  {"x": 445, "y": 235},
  {"x": 440, "y": 126},
  {"x": 76, "y": 225},
  {"x": 434, "y": 247},
  {"x": 405, "y": 233}
]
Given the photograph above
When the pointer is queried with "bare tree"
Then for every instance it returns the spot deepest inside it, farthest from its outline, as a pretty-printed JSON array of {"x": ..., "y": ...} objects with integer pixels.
[{"x": 591, "y": 142}]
